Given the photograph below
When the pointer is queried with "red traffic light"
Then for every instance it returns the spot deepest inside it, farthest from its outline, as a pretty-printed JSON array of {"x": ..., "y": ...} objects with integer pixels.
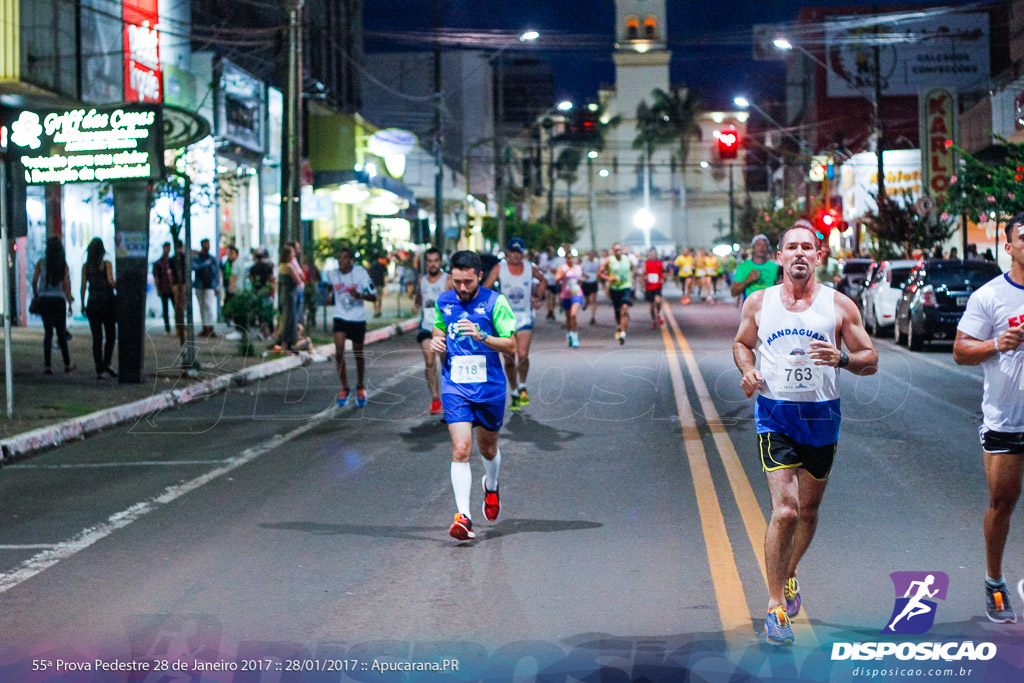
[{"x": 728, "y": 144}]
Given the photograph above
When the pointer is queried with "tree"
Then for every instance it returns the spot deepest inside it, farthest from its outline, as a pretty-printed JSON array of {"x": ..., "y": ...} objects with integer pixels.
[
  {"x": 672, "y": 121},
  {"x": 898, "y": 223},
  {"x": 767, "y": 220},
  {"x": 568, "y": 163},
  {"x": 981, "y": 190},
  {"x": 536, "y": 235}
]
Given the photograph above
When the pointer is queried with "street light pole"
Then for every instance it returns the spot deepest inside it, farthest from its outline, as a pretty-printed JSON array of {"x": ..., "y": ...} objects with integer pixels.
[
  {"x": 499, "y": 156},
  {"x": 438, "y": 138}
]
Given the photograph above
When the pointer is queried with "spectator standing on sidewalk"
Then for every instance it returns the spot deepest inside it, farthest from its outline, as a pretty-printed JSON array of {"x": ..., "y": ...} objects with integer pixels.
[
  {"x": 164, "y": 281},
  {"x": 51, "y": 293},
  {"x": 379, "y": 277},
  {"x": 229, "y": 271},
  {"x": 206, "y": 272},
  {"x": 178, "y": 286},
  {"x": 311, "y": 274},
  {"x": 289, "y": 278},
  {"x": 101, "y": 309},
  {"x": 264, "y": 286}
]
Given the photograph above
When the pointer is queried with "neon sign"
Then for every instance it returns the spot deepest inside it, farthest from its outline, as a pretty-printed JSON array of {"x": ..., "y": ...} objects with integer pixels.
[{"x": 90, "y": 145}]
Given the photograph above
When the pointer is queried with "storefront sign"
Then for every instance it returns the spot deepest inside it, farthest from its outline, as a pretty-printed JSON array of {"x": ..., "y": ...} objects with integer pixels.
[
  {"x": 240, "y": 107},
  {"x": 860, "y": 179},
  {"x": 142, "y": 76},
  {"x": 89, "y": 145},
  {"x": 938, "y": 128}
]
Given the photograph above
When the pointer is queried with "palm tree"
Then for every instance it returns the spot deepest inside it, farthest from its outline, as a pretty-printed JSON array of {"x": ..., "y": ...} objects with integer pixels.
[
  {"x": 673, "y": 119},
  {"x": 568, "y": 163}
]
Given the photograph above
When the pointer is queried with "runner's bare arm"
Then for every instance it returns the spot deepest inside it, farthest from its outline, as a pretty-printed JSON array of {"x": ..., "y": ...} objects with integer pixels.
[
  {"x": 745, "y": 342},
  {"x": 438, "y": 341},
  {"x": 863, "y": 357},
  {"x": 968, "y": 350},
  {"x": 492, "y": 276}
]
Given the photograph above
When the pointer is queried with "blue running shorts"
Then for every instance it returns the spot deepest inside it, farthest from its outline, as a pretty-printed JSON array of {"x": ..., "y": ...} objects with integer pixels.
[{"x": 490, "y": 414}]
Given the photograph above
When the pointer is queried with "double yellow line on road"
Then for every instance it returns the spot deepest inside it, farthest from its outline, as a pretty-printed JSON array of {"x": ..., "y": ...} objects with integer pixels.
[{"x": 732, "y": 604}]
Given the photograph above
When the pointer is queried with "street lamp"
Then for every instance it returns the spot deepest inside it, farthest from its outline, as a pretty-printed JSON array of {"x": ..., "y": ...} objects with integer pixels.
[
  {"x": 783, "y": 44},
  {"x": 565, "y": 105},
  {"x": 499, "y": 155}
]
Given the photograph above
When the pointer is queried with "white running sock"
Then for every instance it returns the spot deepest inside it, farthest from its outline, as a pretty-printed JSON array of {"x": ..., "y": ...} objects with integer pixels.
[
  {"x": 491, "y": 468},
  {"x": 462, "y": 482}
]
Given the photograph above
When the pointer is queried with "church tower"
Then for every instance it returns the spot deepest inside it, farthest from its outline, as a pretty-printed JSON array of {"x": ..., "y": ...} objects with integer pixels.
[{"x": 641, "y": 56}]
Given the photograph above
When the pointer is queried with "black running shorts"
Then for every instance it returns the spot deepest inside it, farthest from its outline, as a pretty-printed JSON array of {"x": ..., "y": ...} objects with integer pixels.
[
  {"x": 588, "y": 288},
  {"x": 778, "y": 451},
  {"x": 651, "y": 294},
  {"x": 356, "y": 331},
  {"x": 423, "y": 335},
  {"x": 1001, "y": 442},
  {"x": 621, "y": 297}
]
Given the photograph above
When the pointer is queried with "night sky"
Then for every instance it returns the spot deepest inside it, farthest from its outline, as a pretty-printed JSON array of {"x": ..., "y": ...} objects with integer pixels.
[{"x": 710, "y": 41}]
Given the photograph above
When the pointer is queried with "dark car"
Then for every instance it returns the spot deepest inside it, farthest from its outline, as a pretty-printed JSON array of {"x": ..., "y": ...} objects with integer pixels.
[
  {"x": 854, "y": 272},
  {"x": 935, "y": 299}
]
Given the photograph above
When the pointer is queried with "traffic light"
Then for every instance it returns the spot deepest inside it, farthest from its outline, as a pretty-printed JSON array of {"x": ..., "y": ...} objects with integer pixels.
[
  {"x": 829, "y": 220},
  {"x": 728, "y": 144}
]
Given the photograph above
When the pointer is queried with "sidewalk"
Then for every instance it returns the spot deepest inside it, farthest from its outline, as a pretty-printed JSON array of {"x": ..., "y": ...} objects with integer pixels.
[{"x": 42, "y": 401}]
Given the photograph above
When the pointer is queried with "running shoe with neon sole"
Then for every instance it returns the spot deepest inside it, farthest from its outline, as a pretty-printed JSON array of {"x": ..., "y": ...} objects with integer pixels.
[
  {"x": 492, "y": 504},
  {"x": 618, "y": 336},
  {"x": 462, "y": 528},
  {"x": 524, "y": 398},
  {"x": 997, "y": 605},
  {"x": 622, "y": 338},
  {"x": 777, "y": 629},
  {"x": 435, "y": 406},
  {"x": 515, "y": 404},
  {"x": 361, "y": 397},
  {"x": 792, "y": 593},
  {"x": 342, "y": 398}
]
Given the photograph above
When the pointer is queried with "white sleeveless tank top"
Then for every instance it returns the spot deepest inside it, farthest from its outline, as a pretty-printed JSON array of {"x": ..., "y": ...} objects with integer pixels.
[
  {"x": 518, "y": 289},
  {"x": 429, "y": 292},
  {"x": 784, "y": 345}
]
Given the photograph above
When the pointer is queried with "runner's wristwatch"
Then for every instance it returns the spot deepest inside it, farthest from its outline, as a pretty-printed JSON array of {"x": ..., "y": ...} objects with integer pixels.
[{"x": 844, "y": 359}]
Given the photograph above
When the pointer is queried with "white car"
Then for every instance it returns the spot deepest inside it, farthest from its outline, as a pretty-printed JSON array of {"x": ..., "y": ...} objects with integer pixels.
[{"x": 883, "y": 293}]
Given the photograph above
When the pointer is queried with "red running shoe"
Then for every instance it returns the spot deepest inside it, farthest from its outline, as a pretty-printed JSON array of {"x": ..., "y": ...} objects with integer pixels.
[
  {"x": 435, "y": 406},
  {"x": 462, "y": 528},
  {"x": 492, "y": 505}
]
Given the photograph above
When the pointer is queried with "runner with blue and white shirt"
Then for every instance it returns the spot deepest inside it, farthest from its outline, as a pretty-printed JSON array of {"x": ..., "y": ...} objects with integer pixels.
[
  {"x": 523, "y": 285},
  {"x": 429, "y": 288},
  {"x": 989, "y": 334},
  {"x": 473, "y": 326},
  {"x": 796, "y": 328}
]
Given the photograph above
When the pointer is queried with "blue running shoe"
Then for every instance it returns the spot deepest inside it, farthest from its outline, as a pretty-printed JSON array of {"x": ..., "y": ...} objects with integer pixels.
[
  {"x": 997, "y": 604},
  {"x": 792, "y": 593},
  {"x": 361, "y": 397},
  {"x": 343, "y": 397},
  {"x": 777, "y": 629}
]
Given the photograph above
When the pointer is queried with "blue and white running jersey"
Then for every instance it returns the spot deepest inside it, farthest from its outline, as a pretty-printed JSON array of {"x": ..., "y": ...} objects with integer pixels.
[
  {"x": 801, "y": 399},
  {"x": 472, "y": 369}
]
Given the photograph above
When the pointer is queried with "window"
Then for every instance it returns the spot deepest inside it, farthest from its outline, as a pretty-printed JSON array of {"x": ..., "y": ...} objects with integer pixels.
[
  {"x": 632, "y": 28},
  {"x": 651, "y": 28}
]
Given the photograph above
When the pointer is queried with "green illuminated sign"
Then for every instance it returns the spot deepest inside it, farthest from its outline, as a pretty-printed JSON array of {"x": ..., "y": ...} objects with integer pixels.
[{"x": 89, "y": 144}]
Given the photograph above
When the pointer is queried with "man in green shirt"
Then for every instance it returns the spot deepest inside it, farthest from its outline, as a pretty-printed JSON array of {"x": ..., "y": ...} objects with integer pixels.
[
  {"x": 757, "y": 272},
  {"x": 618, "y": 273}
]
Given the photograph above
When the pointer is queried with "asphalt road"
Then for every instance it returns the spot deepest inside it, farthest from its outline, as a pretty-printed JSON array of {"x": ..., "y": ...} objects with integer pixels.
[{"x": 263, "y": 529}]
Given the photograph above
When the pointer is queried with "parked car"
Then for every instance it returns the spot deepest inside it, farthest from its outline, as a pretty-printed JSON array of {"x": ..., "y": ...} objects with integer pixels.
[
  {"x": 854, "y": 272},
  {"x": 935, "y": 299},
  {"x": 882, "y": 294}
]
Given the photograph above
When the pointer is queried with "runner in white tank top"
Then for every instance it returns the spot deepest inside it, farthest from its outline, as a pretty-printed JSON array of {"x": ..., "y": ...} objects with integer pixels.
[
  {"x": 797, "y": 329},
  {"x": 523, "y": 284},
  {"x": 428, "y": 288}
]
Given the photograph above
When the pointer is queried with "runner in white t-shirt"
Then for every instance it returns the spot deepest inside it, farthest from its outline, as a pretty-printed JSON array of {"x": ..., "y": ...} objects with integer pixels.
[
  {"x": 523, "y": 285},
  {"x": 351, "y": 287},
  {"x": 428, "y": 288},
  {"x": 990, "y": 334}
]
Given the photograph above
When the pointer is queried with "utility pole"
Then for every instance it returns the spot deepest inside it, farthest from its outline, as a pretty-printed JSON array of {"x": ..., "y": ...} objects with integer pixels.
[
  {"x": 438, "y": 138},
  {"x": 291, "y": 138},
  {"x": 592, "y": 201},
  {"x": 5, "y": 299},
  {"x": 879, "y": 136},
  {"x": 499, "y": 153},
  {"x": 732, "y": 209}
]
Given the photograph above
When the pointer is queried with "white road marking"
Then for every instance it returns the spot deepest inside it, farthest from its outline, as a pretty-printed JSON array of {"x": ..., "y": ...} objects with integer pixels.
[
  {"x": 138, "y": 463},
  {"x": 52, "y": 554},
  {"x": 42, "y": 561},
  {"x": 29, "y": 546}
]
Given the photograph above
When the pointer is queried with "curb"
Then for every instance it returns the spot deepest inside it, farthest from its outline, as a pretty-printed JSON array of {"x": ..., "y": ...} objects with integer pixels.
[{"x": 44, "y": 438}]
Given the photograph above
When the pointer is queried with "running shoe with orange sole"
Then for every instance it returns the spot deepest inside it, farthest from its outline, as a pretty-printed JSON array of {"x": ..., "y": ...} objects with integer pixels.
[{"x": 462, "y": 528}]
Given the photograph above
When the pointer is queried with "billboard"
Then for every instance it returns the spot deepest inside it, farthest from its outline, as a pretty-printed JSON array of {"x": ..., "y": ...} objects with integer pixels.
[
  {"x": 948, "y": 50},
  {"x": 938, "y": 135},
  {"x": 143, "y": 81},
  {"x": 89, "y": 145},
  {"x": 860, "y": 179},
  {"x": 102, "y": 68},
  {"x": 240, "y": 107}
]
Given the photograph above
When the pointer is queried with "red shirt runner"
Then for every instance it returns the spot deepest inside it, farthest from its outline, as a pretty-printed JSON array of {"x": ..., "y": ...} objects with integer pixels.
[{"x": 655, "y": 274}]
